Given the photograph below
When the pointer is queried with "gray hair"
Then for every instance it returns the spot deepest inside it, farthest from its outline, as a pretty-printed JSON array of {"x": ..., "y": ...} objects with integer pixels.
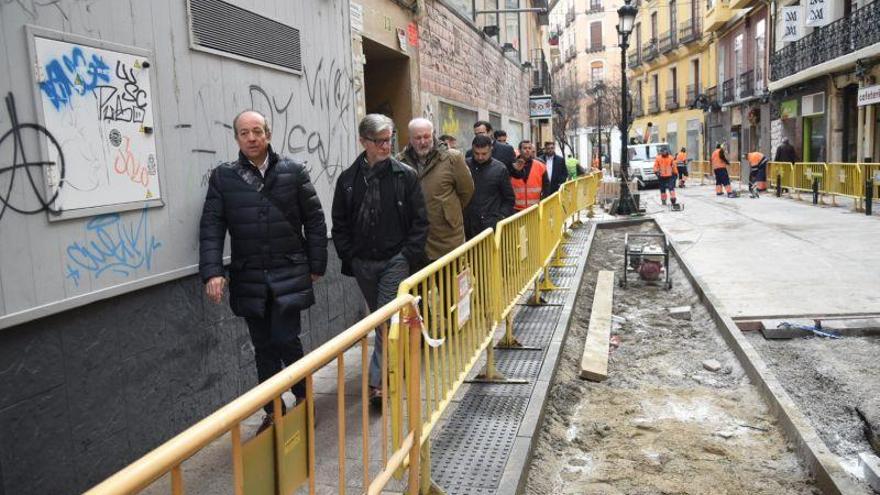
[
  {"x": 250, "y": 110},
  {"x": 420, "y": 123},
  {"x": 373, "y": 124}
]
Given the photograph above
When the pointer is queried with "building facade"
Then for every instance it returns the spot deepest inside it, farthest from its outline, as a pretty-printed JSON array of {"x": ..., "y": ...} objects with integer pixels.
[
  {"x": 823, "y": 72},
  {"x": 585, "y": 54},
  {"x": 670, "y": 61}
]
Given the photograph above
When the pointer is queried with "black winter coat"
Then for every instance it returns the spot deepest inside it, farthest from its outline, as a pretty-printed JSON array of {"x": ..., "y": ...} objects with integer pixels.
[
  {"x": 559, "y": 172},
  {"x": 410, "y": 217},
  {"x": 493, "y": 197},
  {"x": 273, "y": 252}
]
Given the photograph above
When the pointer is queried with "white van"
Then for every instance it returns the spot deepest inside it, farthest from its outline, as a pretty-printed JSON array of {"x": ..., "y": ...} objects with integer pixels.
[{"x": 641, "y": 162}]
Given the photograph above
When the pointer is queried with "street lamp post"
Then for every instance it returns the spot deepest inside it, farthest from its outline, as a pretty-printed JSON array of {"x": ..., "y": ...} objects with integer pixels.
[
  {"x": 627, "y": 14},
  {"x": 599, "y": 93}
]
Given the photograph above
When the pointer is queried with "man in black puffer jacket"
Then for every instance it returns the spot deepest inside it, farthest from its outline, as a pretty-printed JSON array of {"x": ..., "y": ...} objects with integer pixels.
[
  {"x": 493, "y": 198},
  {"x": 279, "y": 245}
]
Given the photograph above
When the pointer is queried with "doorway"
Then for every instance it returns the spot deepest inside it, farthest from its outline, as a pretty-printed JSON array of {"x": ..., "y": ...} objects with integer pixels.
[{"x": 388, "y": 88}]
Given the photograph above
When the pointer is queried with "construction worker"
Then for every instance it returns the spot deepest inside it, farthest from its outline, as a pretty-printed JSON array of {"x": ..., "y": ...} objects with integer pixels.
[
  {"x": 681, "y": 161},
  {"x": 664, "y": 167},
  {"x": 757, "y": 172},
  {"x": 530, "y": 184},
  {"x": 719, "y": 166}
]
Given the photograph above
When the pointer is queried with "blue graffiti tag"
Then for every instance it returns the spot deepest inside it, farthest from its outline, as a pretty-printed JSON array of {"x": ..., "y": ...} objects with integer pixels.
[
  {"x": 119, "y": 247},
  {"x": 78, "y": 75}
]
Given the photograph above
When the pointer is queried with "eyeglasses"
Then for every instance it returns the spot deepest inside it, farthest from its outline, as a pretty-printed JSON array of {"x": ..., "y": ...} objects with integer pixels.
[
  {"x": 379, "y": 142},
  {"x": 258, "y": 132}
]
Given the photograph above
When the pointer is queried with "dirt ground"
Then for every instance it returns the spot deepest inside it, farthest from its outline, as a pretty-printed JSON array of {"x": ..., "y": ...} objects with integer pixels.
[
  {"x": 836, "y": 383},
  {"x": 661, "y": 423}
]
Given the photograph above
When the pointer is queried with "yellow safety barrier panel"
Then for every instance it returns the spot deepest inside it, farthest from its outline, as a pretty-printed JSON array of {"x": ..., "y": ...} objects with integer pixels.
[
  {"x": 458, "y": 301},
  {"x": 779, "y": 174},
  {"x": 280, "y": 460},
  {"x": 802, "y": 177},
  {"x": 568, "y": 193},
  {"x": 843, "y": 179},
  {"x": 700, "y": 168}
]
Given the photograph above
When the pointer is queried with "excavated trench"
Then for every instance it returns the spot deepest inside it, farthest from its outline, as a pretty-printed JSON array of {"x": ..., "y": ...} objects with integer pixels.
[{"x": 661, "y": 423}]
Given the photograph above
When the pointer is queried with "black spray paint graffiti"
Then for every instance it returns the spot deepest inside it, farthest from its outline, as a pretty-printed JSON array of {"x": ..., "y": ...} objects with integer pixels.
[
  {"x": 20, "y": 161},
  {"x": 129, "y": 105},
  {"x": 330, "y": 93}
]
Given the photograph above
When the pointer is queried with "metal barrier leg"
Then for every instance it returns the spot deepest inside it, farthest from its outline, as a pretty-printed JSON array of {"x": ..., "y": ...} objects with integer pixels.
[
  {"x": 426, "y": 484},
  {"x": 869, "y": 197},
  {"x": 490, "y": 373},
  {"x": 509, "y": 341},
  {"x": 557, "y": 259}
]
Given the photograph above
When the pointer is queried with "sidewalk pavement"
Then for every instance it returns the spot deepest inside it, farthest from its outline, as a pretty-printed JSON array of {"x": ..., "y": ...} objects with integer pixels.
[{"x": 776, "y": 256}]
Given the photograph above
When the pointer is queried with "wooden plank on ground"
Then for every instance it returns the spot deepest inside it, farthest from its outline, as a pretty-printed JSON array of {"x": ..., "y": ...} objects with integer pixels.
[{"x": 594, "y": 362}]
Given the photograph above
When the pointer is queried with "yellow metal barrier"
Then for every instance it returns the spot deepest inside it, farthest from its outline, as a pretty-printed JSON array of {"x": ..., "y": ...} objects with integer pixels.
[
  {"x": 455, "y": 304},
  {"x": 783, "y": 171},
  {"x": 700, "y": 168},
  {"x": 844, "y": 179},
  {"x": 802, "y": 177},
  {"x": 518, "y": 248},
  {"x": 290, "y": 449}
]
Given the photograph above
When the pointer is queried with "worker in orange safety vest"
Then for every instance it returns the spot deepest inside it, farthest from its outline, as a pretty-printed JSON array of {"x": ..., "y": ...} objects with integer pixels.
[
  {"x": 528, "y": 178},
  {"x": 681, "y": 162},
  {"x": 757, "y": 171},
  {"x": 719, "y": 166},
  {"x": 664, "y": 167}
]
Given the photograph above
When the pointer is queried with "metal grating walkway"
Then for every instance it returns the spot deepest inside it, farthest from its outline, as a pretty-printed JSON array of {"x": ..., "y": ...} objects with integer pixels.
[{"x": 472, "y": 448}]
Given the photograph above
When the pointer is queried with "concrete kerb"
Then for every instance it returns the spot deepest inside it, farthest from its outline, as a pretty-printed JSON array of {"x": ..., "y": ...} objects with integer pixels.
[
  {"x": 516, "y": 469},
  {"x": 829, "y": 476}
]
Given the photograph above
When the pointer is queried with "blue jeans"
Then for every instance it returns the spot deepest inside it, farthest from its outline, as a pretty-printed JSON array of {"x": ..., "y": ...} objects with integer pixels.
[{"x": 379, "y": 280}]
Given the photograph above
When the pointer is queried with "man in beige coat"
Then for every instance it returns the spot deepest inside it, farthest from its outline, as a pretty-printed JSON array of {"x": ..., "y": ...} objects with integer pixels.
[{"x": 446, "y": 185}]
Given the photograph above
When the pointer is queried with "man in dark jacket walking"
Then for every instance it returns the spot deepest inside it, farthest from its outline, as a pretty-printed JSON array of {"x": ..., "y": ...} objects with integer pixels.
[
  {"x": 279, "y": 245},
  {"x": 785, "y": 152},
  {"x": 493, "y": 195},
  {"x": 379, "y": 224},
  {"x": 501, "y": 151},
  {"x": 557, "y": 172}
]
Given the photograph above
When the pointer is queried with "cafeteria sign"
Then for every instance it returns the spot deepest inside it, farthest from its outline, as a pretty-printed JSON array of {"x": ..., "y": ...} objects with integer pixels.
[{"x": 540, "y": 107}]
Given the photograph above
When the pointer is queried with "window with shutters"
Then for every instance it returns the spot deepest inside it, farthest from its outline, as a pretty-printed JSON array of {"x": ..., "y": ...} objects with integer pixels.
[
  {"x": 595, "y": 37},
  {"x": 597, "y": 71}
]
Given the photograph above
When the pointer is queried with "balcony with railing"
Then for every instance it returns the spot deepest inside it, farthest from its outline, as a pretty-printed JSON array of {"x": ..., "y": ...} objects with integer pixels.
[
  {"x": 595, "y": 48},
  {"x": 569, "y": 17},
  {"x": 712, "y": 94},
  {"x": 540, "y": 73},
  {"x": 570, "y": 53},
  {"x": 746, "y": 86},
  {"x": 692, "y": 92},
  {"x": 843, "y": 36},
  {"x": 649, "y": 51},
  {"x": 637, "y": 109},
  {"x": 594, "y": 7},
  {"x": 727, "y": 91},
  {"x": 718, "y": 12},
  {"x": 672, "y": 100},
  {"x": 653, "y": 104},
  {"x": 667, "y": 42},
  {"x": 634, "y": 60},
  {"x": 689, "y": 31}
]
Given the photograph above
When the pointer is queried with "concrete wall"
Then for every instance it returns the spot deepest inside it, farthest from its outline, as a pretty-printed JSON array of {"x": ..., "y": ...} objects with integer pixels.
[{"x": 120, "y": 362}]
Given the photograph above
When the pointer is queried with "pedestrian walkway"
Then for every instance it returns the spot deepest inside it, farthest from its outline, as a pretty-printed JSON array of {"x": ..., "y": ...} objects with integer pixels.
[{"x": 776, "y": 256}]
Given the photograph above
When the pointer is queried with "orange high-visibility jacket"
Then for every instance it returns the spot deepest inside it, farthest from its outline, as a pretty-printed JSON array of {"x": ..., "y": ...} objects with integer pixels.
[
  {"x": 716, "y": 160},
  {"x": 664, "y": 166},
  {"x": 681, "y": 158},
  {"x": 755, "y": 158},
  {"x": 528, "y": 191}
]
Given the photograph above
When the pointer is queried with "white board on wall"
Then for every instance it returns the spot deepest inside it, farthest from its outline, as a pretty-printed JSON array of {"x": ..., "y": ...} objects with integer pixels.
[{"x": 98, "y": 104}]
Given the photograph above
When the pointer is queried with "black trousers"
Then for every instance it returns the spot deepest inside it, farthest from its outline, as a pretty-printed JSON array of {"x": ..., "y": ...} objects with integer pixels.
[{"x": 272, "y": 356}]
